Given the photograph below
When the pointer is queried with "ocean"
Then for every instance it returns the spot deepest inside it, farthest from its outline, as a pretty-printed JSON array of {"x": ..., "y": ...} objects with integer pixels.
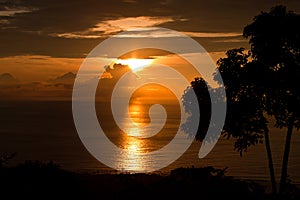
[{"x": 45, "y": 131}]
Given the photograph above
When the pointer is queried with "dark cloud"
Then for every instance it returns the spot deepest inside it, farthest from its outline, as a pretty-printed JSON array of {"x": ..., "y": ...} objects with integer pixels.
[
  {"x": 7, "y": 78},
  {"x": 20, "y": 43},
  {"x": 65, "y": 78},
  {"x": 35, "y": 31}
]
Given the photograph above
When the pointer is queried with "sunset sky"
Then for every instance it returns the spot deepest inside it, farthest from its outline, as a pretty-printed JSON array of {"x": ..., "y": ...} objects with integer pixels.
[{"x": 41, "y": 40}]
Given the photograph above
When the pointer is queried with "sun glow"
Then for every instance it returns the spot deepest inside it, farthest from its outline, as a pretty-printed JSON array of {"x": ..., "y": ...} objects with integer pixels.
[{"x": 135, "y": 64}]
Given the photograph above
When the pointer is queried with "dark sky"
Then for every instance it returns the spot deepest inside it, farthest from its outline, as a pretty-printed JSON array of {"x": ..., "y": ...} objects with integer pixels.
[{"x": 60, "y": 28}]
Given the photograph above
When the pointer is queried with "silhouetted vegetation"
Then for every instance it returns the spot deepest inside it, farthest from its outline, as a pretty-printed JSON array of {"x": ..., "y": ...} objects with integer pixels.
[
  {"x": 262, "y": 82},
  {"x": 37, "y": 180},
  {"x": 201, "y": 90},
  {"x": 275, "y": 49}
]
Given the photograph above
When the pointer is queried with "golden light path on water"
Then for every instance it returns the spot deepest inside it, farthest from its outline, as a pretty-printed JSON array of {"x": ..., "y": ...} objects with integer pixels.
[{"x": 131, "y": 160}]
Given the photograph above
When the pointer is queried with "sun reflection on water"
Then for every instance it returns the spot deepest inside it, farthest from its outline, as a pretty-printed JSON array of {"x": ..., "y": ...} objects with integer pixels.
[
  {"x": 134, "y": 141},
  {"x": 132, "y": 160}
]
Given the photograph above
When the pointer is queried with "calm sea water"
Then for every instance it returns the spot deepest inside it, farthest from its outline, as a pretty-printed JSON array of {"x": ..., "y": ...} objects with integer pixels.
[{"x": 45, "y": 131}]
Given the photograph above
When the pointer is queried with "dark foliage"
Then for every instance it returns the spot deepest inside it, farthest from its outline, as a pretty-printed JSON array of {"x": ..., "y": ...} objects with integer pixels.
[{"x": 37, "y": 180}]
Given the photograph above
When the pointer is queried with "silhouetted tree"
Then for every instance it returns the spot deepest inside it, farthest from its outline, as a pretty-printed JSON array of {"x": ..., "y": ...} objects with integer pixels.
[
  {"x": 201, "y": 90},
  {"x": 275, "y": 47},
  {"x": 245, "y": 114},
  {"x": 265, "y": 80},
  {"x": 244, "y": 118},
  {"x": 239, "y": 113}
]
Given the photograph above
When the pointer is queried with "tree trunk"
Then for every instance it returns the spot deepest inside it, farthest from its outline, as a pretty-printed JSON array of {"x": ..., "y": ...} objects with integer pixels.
[
  {"x": 283, "y": 179},
  {"x": 270, "y": 162}
]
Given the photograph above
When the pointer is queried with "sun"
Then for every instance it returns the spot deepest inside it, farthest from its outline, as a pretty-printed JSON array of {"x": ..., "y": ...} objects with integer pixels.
[{"x": 135, "y": 64}]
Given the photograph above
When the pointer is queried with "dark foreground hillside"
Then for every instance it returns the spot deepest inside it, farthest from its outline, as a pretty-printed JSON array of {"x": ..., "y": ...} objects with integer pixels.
[{"x": 36, "y": 180}]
